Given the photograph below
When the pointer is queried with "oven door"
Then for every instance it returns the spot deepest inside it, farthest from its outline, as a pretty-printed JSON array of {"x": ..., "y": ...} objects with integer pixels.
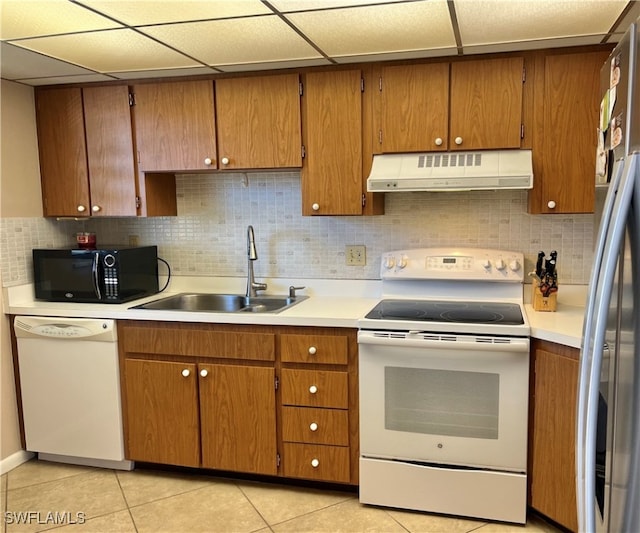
[{"x": 444, "y": 399}]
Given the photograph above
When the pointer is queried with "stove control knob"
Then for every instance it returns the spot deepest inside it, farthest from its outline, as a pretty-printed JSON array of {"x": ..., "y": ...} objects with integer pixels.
[
  {"x": 389, "y": 262},
  {"x": 402, "y": 262},
  {"x": 500, "y": 265},
  {"x": 514, "y": 265},
  {"x": 486, "y": 264}
]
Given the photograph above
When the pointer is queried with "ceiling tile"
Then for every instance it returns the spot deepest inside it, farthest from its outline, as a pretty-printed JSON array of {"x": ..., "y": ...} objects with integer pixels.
[
  {"x": 287, "y": 6},
  {"x": 109, "y": 51},
  {"x": 236, "y": 41},
  {"x": 56, "y": 80},
  {"x": 381, "y": 29},
  {"x": 137, "y": 13},
  {"x": 162, "y": 73},
  {"x": 28, "y": 18},
  {"x": 526, "y": 20},
  {"x": 18, "y": 63},
  {"x": 247, "y": 67}
]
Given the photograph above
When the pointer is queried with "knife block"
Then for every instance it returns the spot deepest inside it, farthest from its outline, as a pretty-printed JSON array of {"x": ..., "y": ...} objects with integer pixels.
[{"x": 539, "y": 302}]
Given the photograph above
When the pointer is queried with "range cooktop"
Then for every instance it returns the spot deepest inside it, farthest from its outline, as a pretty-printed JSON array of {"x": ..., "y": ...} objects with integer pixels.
[{"x": 448, "y": 312}]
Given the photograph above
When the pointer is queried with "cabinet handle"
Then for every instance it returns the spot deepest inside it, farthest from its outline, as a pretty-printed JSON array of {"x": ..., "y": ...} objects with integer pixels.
[
  {"x": 81, "y": 209},
  {"x": 458, "y": 140},
  {"x": 313, "y": 426},
  {"x": 207, "y": 161},
  {"x": 551, "y": 204},
  {"x": 313, "y": 389},
  {"x": 225, "y": 160},
  {"x": 204, "y": 373},
  {"x": 315, "y": 207},
  {"x": 438, "y": 141},
  {"x": 312, "y": 350},
  {"x": 315, "y": 463},
  {"x": 186, "y": 373},
  {"x": 95, "y": 208}
]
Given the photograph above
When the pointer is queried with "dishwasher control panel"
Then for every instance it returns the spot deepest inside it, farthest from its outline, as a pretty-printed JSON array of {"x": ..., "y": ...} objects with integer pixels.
[{"x": 94, "y": 329}]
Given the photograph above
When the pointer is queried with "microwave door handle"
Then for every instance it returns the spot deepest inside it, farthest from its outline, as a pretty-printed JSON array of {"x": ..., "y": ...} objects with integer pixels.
[{"x": 96, "y": 278}]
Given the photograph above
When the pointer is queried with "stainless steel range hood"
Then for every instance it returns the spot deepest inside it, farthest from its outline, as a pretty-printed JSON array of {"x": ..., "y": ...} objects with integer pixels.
[{"x": 451, "y": 171}]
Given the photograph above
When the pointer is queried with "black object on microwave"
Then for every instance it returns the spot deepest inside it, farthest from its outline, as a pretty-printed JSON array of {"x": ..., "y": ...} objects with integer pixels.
[{"x": 109, "y": 275}]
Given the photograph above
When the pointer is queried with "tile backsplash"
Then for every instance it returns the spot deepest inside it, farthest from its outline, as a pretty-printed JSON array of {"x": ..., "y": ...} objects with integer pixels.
[{"x": 208, "y": 237}]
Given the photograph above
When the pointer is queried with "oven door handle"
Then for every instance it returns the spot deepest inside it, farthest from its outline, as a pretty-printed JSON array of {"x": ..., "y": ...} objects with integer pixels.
[{"x": 420, "y": 339}]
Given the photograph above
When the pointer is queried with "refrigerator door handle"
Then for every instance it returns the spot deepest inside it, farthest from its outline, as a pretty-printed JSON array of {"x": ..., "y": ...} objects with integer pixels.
[{"x": 601, "y": 284}]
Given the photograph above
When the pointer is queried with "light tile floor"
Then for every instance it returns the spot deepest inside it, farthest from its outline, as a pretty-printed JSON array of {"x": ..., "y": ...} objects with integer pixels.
[{"x": 143, "y": 500}]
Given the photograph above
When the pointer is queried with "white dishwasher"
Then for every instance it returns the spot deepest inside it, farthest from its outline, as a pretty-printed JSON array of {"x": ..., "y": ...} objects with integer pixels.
[{"x": 70, "y": 389}]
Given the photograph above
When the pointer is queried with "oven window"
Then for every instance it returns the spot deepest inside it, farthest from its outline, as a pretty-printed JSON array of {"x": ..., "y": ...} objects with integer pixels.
[{"x": 442, "y": 402}]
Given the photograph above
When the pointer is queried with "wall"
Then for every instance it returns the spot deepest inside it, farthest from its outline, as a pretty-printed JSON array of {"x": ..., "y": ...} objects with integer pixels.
[
  {"x": 207, "y": 238},
  {"x": 19, "y": 197}
]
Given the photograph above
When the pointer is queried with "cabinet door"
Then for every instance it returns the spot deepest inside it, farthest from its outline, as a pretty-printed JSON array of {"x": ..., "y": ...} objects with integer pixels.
[
  {"x": 238, "y": 418},
  {"x": 112, "y": 172},
  {"x": 567, "y": 159},
  {"x": 415, "y": 108},
  {"x": 553, "y": 490},
  {"x": 63, "y": 152},
  {"x": 175, "y": 126},
  {"x": 162, "y": 412},
  {"x": 258, "y": 121},
  {"x": 332, "y": 134},
  {"x": 486, "y": 104}
]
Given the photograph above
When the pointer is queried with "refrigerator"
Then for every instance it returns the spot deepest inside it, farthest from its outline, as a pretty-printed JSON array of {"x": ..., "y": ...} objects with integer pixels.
[{"x": 608, "y": 406}]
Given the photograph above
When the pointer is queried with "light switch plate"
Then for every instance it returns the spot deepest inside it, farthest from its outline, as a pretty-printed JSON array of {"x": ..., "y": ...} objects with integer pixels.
[{"x": 356, "y": 255}]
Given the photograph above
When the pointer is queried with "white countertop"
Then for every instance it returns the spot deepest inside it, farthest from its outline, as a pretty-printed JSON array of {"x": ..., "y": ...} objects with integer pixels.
[{"x": 331, "y": 303}]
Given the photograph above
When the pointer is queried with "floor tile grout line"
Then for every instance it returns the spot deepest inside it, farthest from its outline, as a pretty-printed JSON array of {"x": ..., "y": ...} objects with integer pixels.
[
  {"x": 126, "y": 502},
  {"x": 254, "y": 507},
  {"x": 52, "y": 480},
  {"x": 397, "y": 521}
]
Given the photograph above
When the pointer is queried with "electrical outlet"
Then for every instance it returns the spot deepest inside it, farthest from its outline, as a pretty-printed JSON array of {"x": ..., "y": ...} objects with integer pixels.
[
  {"x": 134, "y": 240},
  {"x": 355, "y": 255}
]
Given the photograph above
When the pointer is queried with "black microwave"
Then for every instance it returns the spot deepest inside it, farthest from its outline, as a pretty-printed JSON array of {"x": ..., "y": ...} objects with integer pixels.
[{"x": 108, "y": 275}]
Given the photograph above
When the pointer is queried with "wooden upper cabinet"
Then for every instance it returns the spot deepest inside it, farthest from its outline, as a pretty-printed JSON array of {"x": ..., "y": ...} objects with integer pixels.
[
  {"x": 175, "y": 126},
  {"x": 63, "y": 152},
  {"x": 110, "y": 156},
  {"x": 258, "y": 120},
  {"x": 86, "y": 152},
  {"x": 486, "y": 104},
  {"x": 464, "y": 105},
  {"x": 565, "y": 154},
  {"x": 332, "y": 135},
  {"x": 415, "y": 108}
]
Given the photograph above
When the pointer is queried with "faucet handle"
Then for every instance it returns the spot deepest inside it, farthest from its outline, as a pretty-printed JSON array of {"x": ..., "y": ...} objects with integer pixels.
[{"x": 292, "y": 291}]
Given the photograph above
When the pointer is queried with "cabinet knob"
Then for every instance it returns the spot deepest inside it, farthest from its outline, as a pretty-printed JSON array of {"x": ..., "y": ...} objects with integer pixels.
[
  {"x": 207, "y": 161},
  {"x": 313, "y": 426},
  {"x": 225, "y": 160},
  {"x": 186, "y": 373},
  {"x": 551, "y": 204},
  {"x": 438, "y": 141},
  {"x": 315, "y": 207},
  {"x": 81, "y": 208},
  {"x": 315, "y": 463},
  {"x": 95, "y": 208},
  {"x": 204, "y": 373},
  {"x": 458, "y": 140},
  {"x": 312, "y": 350},
  {"x": 313, "y": 389}
]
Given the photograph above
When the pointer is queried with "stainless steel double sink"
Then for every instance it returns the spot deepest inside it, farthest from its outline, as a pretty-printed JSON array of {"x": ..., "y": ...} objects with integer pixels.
[{"x": 222, "y": 303}]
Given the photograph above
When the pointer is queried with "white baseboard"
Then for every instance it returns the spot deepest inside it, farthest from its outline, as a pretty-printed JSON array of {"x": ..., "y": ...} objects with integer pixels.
[{"x": 9, "y": 463}]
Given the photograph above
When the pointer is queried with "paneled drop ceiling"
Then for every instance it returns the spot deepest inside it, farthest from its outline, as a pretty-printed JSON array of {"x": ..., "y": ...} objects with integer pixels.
[{"x": 77, "y": 41}]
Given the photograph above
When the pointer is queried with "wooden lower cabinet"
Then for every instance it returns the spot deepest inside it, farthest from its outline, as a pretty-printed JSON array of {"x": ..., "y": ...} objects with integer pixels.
[
  {"x": 162, "y": 412},
  {"x": 238, "y": 418},
  {"x": 552, "y": 432},
  {"x": 241, "y": 398}
]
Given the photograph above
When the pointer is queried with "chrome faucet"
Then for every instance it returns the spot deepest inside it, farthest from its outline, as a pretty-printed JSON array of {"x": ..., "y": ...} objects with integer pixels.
[{"x": 252, "y": 255}]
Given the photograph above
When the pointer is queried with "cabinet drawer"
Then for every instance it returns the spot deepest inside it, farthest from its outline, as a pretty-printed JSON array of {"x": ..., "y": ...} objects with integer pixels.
[
  {"x": 315, "y": 388},
  {"x": 311, "y": 461},
  {"x": 200, "y": 342},
  {"x": 324, "y": 349},
  {"x": 316, "y": 426}
]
